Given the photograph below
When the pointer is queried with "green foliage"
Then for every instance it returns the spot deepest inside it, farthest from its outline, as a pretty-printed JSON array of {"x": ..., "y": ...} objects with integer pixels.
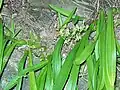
[
  {"x": 20, "y": 68},
  {"x": 56, "y": 58},
  {"x": 65, "y": 12},
  {"x": 6, "y": 46},
  {"x": 1, "y": 3},
  {"x": 31, "y": 74},
  {"x": 53, "y": 74},
  {"x": 1, "y": 45}
]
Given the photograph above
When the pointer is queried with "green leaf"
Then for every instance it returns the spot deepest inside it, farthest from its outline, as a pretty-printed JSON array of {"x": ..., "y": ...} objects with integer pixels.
[
  {"x": 69, "y": 17},
  {"x": 101, "y": 31},
  {"x": 1, "y": 3},
  {"x": 12, "y": 28},
  {"x": 7, "y": 53},
  {"x": 49, "y": 77},
  {"x": 90, "y": 67},
  {"x": 56, "y": 58},
  {"x": 22, "y": 73},
  {"x": 60, "y": 20},
  {"x": 110, "y": 62},
  {"x": 20, "y": 68},
  {"x": 1, "y": 44},
  {"x": 64, "y": 12},
  {"x": 41, "y": 79},
  {"x": 65, "y": 70},
  {"x": 32, "y": 79},
  {"x": 72, "y": 82},
  {"x": 71, "y": 85},
  {"x": 34, "y": 68},
  {"x": 86, "y": 49},
  {"x": 12, "y": 83},
  {"x": 95, "y": 75},
  {"x": 84, "y": 54},
  {"x": 75, "y": 20},
  {"x": 118, "y": 47}
]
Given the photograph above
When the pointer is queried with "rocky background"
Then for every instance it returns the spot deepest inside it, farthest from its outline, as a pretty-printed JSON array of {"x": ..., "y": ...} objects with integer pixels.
[{"x": 35, "y": 16}]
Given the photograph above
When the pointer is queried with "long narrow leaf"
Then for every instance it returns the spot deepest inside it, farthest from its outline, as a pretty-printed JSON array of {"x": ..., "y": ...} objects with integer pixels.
[
  {"x": 69, "y": 17},
  {"x": 1, "y": 44},
  {"x": 34, "y": 68},
  {"x": 64, "y": 12},
  {"x": 20, "y": 68},
  {"x": 7, "y": 53},
  {"x": 56, "y": 59},
  {"x": 41, "y": 79},
  {"x": 1, "y": 3},
  {"x": 49, "y": 77},
  {"x": 84, "y": 55},
  {"x": 60, "y": 20},
  {"x": 71, "y": 85},
  {"x": 110, "y": 64},
  {"x": 90, "y": 67},
  {"x": 65, "y": 70},
  {"x": 73, "y": 78},
  {"x": 24, "y": 72},
  {"x": 32, "y": 79},
  {"x": 101, "y": 31},
  {"x": 12, "y": 28},
  {"x": 118, "y": 47},
  {"x": 81, "y": 56},
  {"x": 12, "y": 83},
  {"x": 94, "y": 77}
]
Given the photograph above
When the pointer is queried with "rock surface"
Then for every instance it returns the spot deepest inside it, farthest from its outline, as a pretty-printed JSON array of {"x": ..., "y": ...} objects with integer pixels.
[{"x": 37, "y": 17}]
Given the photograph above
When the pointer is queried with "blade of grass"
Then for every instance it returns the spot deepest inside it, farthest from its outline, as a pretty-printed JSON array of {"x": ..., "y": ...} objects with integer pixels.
[
  {"x": 49, "y": 77},
  {"x": 76, "y": 87},
  {"x": 7, "y": 53},
  {"x": 90, "y": 64},
  {"x": 9, "y": 32},
  {"x": 110, "y": 64},
  {"x": 41, "y": 79},
  {"x": 60, "y": 20},
  {"x": 1, "y": 44},
  {"x": 32, "y": 79},
  {"x": 101, "y": 48},
  {"x": 1, "y": 3},
  {"x": 65, "y": 70},
  {"x": 60, "y": 10},
  {"x": 90, "y": 67},
  {"x": 94, "y": 77},
  {"x": 64, "y": 12},
  {"x": 12, "y": 28},
  {"x": 69, "y": 17},
  {"x": 75, "y": 20},
  {"x": 20, "y": 68},
  {"x": 56, "y": 59},
  {"x": 84, "y": 55},
  {"x": 118, "y": 47},
  {"x": 12, "y": 83},
  {"x": 34, "y": 68},
  {"x": 71, "y": 85},
  {"x": 22, "y": 73}
]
